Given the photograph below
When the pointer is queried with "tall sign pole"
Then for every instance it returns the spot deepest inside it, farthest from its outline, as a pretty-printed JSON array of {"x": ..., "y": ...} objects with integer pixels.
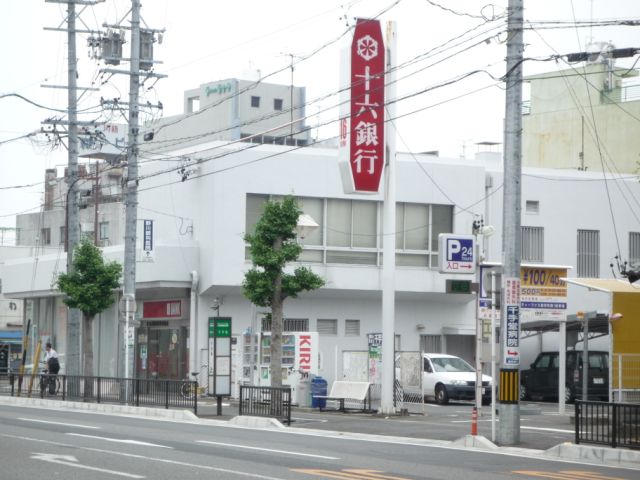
[
  {"x": 509, "y": 426},
  {"x": 364, "y": 155},
  {"x": 389, "y": 238}
]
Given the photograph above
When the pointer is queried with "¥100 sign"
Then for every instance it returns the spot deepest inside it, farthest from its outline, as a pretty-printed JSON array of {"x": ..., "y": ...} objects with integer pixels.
[{"x": 362, "y": 110}]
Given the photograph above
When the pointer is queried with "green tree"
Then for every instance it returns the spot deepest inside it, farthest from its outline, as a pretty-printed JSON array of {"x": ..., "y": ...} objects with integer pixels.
[
  {"x": 89, "y": 287},
  {"x": 272, "y": 246}
]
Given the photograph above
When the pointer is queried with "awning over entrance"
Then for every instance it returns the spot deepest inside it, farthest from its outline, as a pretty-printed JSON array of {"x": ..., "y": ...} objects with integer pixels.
[
  {"x": 611, "y": 285},
  {"x": 11, "y": 336},
  {"x": 600, "y": 325}
]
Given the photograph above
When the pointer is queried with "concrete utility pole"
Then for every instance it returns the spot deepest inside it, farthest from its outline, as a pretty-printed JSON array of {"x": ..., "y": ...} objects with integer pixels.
[
  {"x": 131, "y": 183},
  {"x": 74, "y": 321},
  {"x": 509, "y": 426}
]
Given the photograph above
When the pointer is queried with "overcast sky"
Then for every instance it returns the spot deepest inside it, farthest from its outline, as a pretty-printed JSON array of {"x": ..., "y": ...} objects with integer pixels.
[{"x": 210, "y": 40}]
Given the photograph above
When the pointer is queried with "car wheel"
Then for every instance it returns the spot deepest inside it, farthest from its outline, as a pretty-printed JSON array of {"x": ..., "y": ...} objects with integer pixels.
[
  {"x": 569, "y": 394},
  {"x": 524, "y": 392},
  {"x": 442, "y": 397}
]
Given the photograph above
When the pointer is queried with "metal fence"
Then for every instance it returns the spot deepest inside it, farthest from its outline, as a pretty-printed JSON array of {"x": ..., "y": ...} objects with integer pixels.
[
  {"x": 612, "y": 424},
  {"x": 273, "y": 402},
  {"x": 132, "y": 391},
  {"x": 625, "y": 378}
]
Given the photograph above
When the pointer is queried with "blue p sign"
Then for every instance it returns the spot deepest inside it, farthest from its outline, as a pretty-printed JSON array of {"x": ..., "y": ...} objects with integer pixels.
[{"x": 460, "y": 250}]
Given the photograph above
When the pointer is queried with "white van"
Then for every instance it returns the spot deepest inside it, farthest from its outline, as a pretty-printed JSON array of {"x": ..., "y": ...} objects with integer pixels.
[{"x": 447, "y": 377}]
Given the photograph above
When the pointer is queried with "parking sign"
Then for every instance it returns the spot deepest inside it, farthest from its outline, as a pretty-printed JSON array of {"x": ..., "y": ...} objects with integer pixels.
[{"x": 456, "y": 253}]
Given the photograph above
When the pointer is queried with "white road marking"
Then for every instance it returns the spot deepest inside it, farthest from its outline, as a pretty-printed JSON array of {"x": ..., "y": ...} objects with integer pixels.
[
  {"x": 267, "y": 450},
  {"x": 549, "y": 429},
  {"x": 57, "y": 423},
  {"x": 119, "y": 440},
  {"x": 309, "y": 419},
  {"x": 143, "y": 457},
  {"x": 71, "y": 461}
]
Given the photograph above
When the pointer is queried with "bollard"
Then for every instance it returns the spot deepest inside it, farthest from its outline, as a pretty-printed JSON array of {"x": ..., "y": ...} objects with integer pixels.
[{"x": 474, "y": 421}]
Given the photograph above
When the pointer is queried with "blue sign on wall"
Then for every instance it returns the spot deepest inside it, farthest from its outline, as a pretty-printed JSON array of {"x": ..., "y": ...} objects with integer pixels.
[{"x": 457, "y": 253}]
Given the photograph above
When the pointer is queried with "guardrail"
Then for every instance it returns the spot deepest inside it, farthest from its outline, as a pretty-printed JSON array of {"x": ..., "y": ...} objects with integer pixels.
[
  {"x": 611, "y": 424},
  {"x": 273, "y": 402},
  {"x": 132, "y": 391}
]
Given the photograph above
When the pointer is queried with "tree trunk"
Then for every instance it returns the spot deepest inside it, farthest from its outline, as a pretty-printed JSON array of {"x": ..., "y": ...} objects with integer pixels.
[
  {"x": 87, "y": 346},
  {"x": 276, "y": 327}
]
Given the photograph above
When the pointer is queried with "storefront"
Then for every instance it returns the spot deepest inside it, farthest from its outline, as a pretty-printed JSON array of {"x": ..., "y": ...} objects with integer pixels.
[
  {"x": 10, "y": 350},
  {"x": 162, "y": 340}
]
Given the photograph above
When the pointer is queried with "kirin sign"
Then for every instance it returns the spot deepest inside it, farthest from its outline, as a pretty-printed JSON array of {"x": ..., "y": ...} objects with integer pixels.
[{"x": 362, "y": 110}]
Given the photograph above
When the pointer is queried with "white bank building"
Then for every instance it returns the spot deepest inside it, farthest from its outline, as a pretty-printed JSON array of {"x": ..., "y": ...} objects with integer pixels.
[{"x": 196, "y": 266}]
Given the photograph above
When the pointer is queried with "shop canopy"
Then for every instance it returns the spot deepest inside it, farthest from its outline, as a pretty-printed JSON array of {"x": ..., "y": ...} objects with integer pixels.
[{"x": 11, "y": 337}]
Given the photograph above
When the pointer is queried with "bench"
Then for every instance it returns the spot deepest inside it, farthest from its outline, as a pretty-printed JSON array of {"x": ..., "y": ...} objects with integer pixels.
[{"x": 342, "y": 390}]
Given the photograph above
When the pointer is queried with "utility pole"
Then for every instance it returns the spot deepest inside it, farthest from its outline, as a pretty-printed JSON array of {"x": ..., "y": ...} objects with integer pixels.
[
  {"x": 141, "y": 58},
  {"x": 96, "y": 201},
  {"x": 131, "y": 183},
  {"x": 509, "y": 426},
  {"x": 74, "y": 321}
]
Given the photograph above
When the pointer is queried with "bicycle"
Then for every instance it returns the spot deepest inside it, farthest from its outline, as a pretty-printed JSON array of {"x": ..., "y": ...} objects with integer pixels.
[
  {"x": 49, "y": 383},
  {"x": 188, "y": 388}
]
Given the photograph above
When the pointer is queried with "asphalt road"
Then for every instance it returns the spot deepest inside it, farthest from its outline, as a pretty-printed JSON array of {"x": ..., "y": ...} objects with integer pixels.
[
  {"x": 541, "y": 427},
  {"x": 45, "y": 443}
]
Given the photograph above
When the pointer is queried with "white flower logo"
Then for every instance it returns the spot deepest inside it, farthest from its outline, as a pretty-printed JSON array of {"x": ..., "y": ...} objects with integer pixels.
[{"x": 367, "y": 47}]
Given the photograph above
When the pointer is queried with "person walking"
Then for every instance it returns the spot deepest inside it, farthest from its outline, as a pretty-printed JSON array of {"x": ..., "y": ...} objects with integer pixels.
[{"x": 53, "y": 366}]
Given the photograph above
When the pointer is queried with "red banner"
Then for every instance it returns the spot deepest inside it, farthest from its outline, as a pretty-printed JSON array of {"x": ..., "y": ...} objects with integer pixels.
[
  {"x": 366, "y": 152},
  {"x": 162, "y": 309}
]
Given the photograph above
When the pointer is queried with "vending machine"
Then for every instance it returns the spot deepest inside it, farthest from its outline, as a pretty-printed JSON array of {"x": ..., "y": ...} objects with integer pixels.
[{"x": 299, "y": 359}]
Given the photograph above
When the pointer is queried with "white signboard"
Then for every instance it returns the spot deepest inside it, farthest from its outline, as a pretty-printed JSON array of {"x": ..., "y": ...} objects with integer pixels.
[
  {"x": 511, "y": 346},
  {"x": 456, "y": 253}
]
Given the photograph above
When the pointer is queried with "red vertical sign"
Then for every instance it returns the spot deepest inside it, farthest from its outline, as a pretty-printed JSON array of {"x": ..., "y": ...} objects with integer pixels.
[{"x": 366, "y": 152}]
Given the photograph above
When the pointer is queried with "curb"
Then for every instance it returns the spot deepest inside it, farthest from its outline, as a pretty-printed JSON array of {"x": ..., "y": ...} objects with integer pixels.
[
  {"x": 596, "y": 454},
  {"x": 255, "y": 422},
  {"x": 100, "y": 408}
]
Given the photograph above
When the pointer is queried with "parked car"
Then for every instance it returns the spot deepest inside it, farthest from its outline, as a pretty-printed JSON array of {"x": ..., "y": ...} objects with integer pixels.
[
  {"x": 447, "y": 377},
  {"x": 541, "y": 380}
]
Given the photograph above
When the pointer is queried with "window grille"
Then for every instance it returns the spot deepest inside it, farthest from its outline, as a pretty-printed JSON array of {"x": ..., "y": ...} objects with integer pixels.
[
  {"x": 431, "y": 343},
  {"x": 327, "y": 326},
  {"x": 588, "y": 253},
  {"x": 288, "y": 324},
  {"x": 533, "y": 244},
  {"x": 352, "y": 328},
  {"x": 634, "y": 248}
]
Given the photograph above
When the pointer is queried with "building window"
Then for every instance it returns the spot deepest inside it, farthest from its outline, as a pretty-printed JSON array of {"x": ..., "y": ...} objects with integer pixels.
[
  {"x": 104, "y": 231},
  {"x": 63, "y": 232},
  {"x": 288, "y": 324},
  {"x": 532, "y": 207},
  {"x": 45, "y": 236},
  {"x": 352, "y": 328},
  {"x": 634, "y": 248},
  {"x": 431, "y": 343},
  {"x": 349, "y": 230},
  {"x": 533, "y": 244},
  {"x": 588, "y": 253},
  {"x": 277, "y": 104},
  {"x": 327, "y": 326},
  {"x": 255, "y": 101}
]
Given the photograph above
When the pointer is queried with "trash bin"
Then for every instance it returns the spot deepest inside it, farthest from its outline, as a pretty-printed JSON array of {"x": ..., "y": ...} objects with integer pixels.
[
  {"x": 303, "y": 393},
  {"x": 318, "y": 387}
]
